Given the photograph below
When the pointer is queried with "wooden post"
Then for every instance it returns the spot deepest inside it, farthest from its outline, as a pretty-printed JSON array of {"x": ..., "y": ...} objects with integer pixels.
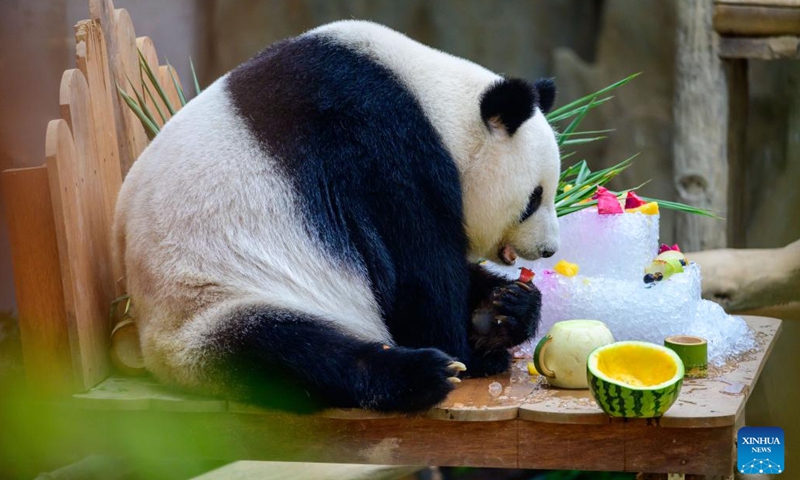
[
  {"x": 739, "y": 96},
  {"x": 700, "y": 146},
  {"x": 37, "y": 278}
]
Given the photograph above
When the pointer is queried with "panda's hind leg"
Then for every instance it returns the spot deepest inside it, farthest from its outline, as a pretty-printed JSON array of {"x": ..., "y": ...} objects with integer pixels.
[{"x": 278, "y": 358}]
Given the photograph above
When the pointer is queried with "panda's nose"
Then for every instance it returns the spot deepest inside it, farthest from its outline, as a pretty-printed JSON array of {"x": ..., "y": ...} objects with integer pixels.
[{"x": 548, "y": 253}]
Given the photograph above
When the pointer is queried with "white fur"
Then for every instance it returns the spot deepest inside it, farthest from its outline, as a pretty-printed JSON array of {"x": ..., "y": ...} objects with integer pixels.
[
  {"x": 498, "y": 173},
  {"x": 210, "y": 224}
]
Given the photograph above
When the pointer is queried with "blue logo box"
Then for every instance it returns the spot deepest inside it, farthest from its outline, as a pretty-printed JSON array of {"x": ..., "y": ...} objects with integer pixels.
[{"x": 760, "y": 450}]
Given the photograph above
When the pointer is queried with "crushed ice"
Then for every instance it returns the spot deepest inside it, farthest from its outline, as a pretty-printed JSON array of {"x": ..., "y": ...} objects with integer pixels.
[{"x": 612, "y": 252}]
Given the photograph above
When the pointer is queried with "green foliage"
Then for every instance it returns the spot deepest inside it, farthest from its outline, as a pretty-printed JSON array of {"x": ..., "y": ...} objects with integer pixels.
[
  {"x": 577, "y": 183},
  {"x": 140, "y": 107}
]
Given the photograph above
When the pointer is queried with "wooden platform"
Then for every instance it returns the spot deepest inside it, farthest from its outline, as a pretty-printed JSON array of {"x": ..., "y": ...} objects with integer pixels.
[{"x": 527, "y": 426}]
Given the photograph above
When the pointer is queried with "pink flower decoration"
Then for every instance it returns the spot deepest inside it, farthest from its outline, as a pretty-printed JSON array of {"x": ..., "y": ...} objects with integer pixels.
[
  {"x": 633, "y": 200},
  {"x": 607, "y": 202},
  {"x": 664, "y": 248}
]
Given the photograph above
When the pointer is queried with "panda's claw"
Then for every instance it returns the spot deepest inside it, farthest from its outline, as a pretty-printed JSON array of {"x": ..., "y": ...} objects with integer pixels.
[
  {"x": 457, "y": 367},
  {"x": 525, "y": 286},
  {"x": 454, "y": 380}
]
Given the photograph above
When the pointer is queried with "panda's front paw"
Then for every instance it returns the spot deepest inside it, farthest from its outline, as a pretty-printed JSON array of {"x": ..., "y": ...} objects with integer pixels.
[{"x": 510, "y": 318}]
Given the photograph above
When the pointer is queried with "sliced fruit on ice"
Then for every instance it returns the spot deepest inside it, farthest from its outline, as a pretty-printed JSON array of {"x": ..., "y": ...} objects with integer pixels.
[
  {"x": 648, "y": 209},
  {"x": 566, "y": 268},
  {"x": 525, "y": 275},
  {"x": 673, "y": 255},
  {"x": 634, "y": 379}
]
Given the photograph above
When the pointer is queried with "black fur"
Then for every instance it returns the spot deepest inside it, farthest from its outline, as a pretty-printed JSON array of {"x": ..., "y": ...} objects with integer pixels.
[
  {"x": 382, "y": 194},
  {"x": 290, "y": 361},
  {"x": 534, "y": 201},
  {"x": 546, "y": 91},
  {"x": 505, "y": 314},
  {"x": 509, "y": 101}
]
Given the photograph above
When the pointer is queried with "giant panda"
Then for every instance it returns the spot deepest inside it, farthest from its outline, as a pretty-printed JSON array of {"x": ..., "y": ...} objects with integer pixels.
[{"x": 311, "y": 223}]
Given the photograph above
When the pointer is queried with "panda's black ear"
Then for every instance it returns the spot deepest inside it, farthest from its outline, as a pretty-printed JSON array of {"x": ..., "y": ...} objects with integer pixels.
[
  {"x": 508, "y": 102},
  {"x": 546, "y": 91}
]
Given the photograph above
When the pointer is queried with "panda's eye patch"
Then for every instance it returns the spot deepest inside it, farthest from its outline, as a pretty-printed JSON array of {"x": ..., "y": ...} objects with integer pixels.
[{"x": 533, "y": 204}]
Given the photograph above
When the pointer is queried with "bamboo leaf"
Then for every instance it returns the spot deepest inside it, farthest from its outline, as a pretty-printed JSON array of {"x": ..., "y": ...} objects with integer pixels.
[
  {"x": 178, "y": 87},
  {"x": 580, "y": 141},
  {"x": 587, "y": 132},
  {"x": 576, "y": 111},
  {"x": 142, "y": 103},
  {"x": 574, "y": 123},
  {"x": 197, "y": 89},
  {"x": 155, "y": 103},
  {"x": 144, "y": 66},
  {"x": 682, "y": 207},
  {"x": 150, "y": 128},
  {"x": 581, "y": 101}
]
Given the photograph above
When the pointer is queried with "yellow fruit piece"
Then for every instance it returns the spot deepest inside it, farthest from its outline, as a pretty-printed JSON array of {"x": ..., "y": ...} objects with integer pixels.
[
  {"x": 648, "y": 209},
  {"x": 532, "y": 369},
  {"x": 567, "y": 269},
  {"x": 567, "y": 187}
]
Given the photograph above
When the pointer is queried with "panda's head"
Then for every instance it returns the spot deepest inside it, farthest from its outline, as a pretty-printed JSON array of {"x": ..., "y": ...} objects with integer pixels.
[{"x": 510, "y": 183}]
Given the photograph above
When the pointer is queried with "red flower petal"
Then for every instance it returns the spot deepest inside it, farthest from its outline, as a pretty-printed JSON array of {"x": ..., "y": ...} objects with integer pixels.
[
  {"x": 633, "y": 200},
  {"x": 664, "y": 248},
  {"x": 600, "y": 192},
  {"x": 608, "y": 204}
]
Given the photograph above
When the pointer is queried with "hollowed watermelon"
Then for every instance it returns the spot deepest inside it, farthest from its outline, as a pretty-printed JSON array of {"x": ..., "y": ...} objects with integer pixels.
[{"x": 634, "y": 379}]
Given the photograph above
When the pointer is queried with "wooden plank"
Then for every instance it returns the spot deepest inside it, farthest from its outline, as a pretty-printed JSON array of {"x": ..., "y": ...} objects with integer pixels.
[
  {"x": 744, "y": 20},
  {"x": 547, "y": 446},
  {"x": 700, "y": 119},
  {"x": 250, "y": 470},
  {"x": 92, "y": 60},
  {"x": 118, "y": 49},
  {"x": 125, "y": 66},
  {"x": 37, "y": 280},
  {"x": 769, "y": 48},
  {"x": 82, "y": 230},
  {"x": 698, "y": 451}
]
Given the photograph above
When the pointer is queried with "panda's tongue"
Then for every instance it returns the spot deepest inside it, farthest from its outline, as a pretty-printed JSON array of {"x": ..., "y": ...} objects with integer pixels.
[{"x": 507, "y": 254}]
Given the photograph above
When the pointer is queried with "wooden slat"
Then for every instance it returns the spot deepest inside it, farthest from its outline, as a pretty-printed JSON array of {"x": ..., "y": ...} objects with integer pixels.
[
  {"x": 125, "y": 68},
  {"x": 92, "y": 60},
  {"x": 769, "y": 48},
  {"x": 118, "y": 44},
  {"x": 37, "y": 280},
  {"x": 250, "y": 470},
  {"x": 741, "y": 20},
  {"x": 82, "y": 230}
]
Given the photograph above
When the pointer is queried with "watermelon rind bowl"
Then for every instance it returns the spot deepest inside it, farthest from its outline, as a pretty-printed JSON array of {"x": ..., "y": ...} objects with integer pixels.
[{"x": 661, "y": 366}]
